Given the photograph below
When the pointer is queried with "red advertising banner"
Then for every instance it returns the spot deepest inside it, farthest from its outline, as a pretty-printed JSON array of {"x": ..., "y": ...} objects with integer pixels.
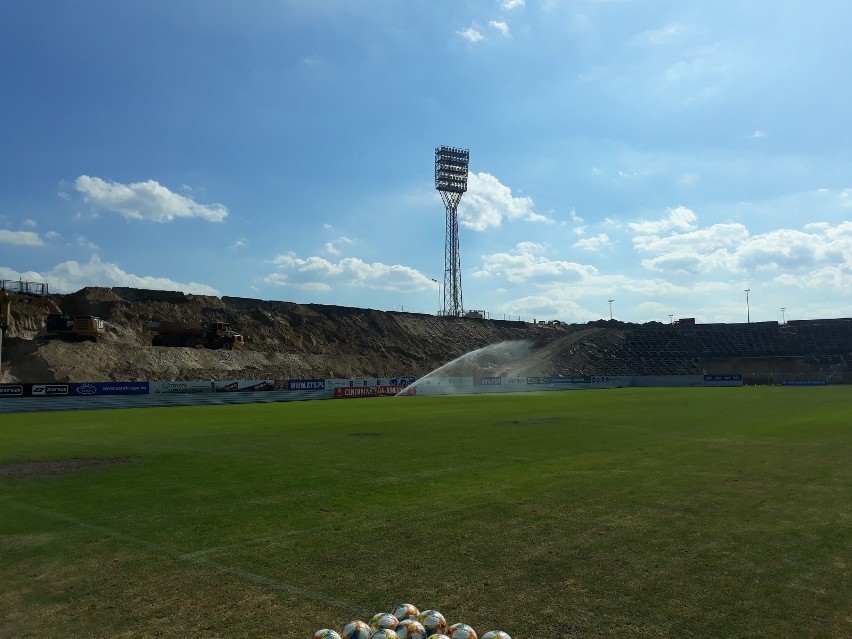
[{"x": 348, "y": 392}]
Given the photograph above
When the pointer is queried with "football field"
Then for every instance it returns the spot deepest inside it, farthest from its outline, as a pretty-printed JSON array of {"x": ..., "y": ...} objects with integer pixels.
[{"x": 682, "y": 513}]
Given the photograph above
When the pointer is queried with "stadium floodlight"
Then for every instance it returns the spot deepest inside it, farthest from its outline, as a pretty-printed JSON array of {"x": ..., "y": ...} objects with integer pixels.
[
  {"x": 610, "y": 308},
  {"x": 748, "y": 308},
  {"x": 783, "y": 312},
  {"x": 451, "y": 167}
]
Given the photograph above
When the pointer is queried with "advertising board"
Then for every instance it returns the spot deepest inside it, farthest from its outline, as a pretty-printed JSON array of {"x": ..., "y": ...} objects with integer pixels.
[
  {"x": 305, "y": 384},
  {"x": 88, "y": 389}
]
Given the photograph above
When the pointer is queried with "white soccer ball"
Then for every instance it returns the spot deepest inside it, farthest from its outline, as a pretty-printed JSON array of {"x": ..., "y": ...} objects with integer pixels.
[
  {"x": 356, "y": 629},
  {"x": 496, "y": 634},
  {"x": 383, "y": 620},
  {"x": 433, "y": 621},
  {"x": 405, "y": 611},
  {"x": 410, "y": 629},
  {"x": 461, "y": 631},
  {"x": 325, "y": 633},
  {"x": 384, "y": 633}
]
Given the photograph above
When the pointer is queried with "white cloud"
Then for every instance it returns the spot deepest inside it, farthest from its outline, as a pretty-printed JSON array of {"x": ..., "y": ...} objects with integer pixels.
[
  {"x": 471, "y": 34},
  {"x": 332, "y": 248},
  {"x": 318, "y": 273},
  {"x": 488, "y": 201},
  {"x": 145, "y": 201},
  {"x": 664, "y": 35},
  {"x": 239, "y": 243},
  {"x": 525, "y": 262},
  {"x": 757, "y": 134},
  {"x": 29, "y": 223},
  {"x": 71, "y": 276},
  {"x": 20, "y": 238},
  {"x": 595, "y": 243},
  {"x": 508, "y": 5},
  {"x": 679, "y": 218},
  {"x": 502, "y": 27},
  {"x": 82, "y": 240}
]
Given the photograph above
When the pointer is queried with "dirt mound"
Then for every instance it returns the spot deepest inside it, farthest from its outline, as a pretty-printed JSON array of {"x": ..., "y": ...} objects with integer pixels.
[{"x": 283, "y": 340}]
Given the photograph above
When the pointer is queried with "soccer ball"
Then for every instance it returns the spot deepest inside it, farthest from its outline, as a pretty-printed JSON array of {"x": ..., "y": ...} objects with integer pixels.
[
  {"x": 384, "y": 633},
  {"x": 433, "y": 621},
  {"x": 461, "y": 631},
  {"x": 325, "y": 633},
  {"x": 356, "y": 629},
  {"x": 383, "y": 620},
  {"x": 410, "y": 629},
  {"x": 496, "y": 634},
  {"x": 405, "y": 611}
]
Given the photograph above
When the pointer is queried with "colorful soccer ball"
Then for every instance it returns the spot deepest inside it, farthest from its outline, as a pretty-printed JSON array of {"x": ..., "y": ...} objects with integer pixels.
[
  {"x": 384, "y": 633},
  {"x": 410, "y": 629},
  {"x": 433, "y": 621},
  {"x": 356, "y": 629},
  {"x": 461, "y": 631},
  {"x": 496, "y": 634},
  {"x": 383, "y": 620},
  {"x": 405, "y": 611},
  {"x": 325, "y": 633}
]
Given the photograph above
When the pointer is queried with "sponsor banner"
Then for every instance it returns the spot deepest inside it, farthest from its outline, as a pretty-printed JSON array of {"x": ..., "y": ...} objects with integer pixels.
[
  {"x": 401, "y": 381},
  {"x": 804, "y": 382},
  {"x": 487, "y": 381},
  {"x": 245, "y": 385},
  {"x": 723, "y": 378},
  {"x": 156, "y": 388},
  {"x": 345, "y": 392},
  {"x": 567, "y": 380},
  {"x": 537, "y": 380},
  {"x": 48, "y": 390},
  {"x": 517, "y": 380},
  {"x": 305, "y": 384},
  {"x": 109, "y": 388},
  {"x": 385, "y": 390},
  {"x": 11, "y": 390}
]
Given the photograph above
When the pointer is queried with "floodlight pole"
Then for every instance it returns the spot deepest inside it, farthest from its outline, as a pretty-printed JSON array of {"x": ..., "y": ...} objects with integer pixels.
[
  {"x": 610, "y": 308},
  {"x": 748, "y": 308},
  {"x": 451, "y": 166},
  {"x": 783, "y": 312}
]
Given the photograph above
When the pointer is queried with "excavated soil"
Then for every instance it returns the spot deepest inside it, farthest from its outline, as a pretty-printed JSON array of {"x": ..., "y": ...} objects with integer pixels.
[{"x": 284, "y": 340}]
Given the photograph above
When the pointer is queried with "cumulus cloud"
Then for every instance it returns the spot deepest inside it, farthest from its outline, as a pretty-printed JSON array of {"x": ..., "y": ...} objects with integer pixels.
[
  {"x": 21, "y": 238},
  {"x": 502, "y": 27},
  {"x": 488, "y": 201},
  {"x": 333, "y": 247},
  {"x": 145, "y": 201},
  {"x": 471, "y": 34},
  {"x": 71, "y": 276},
  {"x": 29, "y": 223},
  {"x": 596, "y": 243},
  {"x": 730, "y": 246},
  {"x": 679, "y": 218},
  {"x": 508, "y": 5},
  {"x": 526, "y": 262},
  {"x": 319, "y": 274}
]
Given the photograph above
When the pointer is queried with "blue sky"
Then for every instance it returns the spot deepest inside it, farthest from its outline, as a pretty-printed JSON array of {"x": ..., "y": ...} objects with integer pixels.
[{"x": 665, "y": 154}]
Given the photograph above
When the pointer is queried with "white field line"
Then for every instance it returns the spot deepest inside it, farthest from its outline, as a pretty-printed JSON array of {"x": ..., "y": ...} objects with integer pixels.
[{"x": 254, "y": 578}]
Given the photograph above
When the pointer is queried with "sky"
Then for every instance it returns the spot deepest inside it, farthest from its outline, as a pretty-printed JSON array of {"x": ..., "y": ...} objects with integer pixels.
[{"x": 652, "y": 159}]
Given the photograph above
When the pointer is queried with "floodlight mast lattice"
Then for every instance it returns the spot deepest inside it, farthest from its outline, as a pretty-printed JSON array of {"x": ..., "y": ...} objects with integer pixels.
[{"x": 451, "y": 166}]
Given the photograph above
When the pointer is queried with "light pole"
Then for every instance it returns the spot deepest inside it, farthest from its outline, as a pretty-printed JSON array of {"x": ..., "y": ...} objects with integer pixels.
[
  {"x": 748, "y": 308},
  {"x": 671, "y": 319},
  {"x": 610, "y": 308},
  {"x": 783, "y": 319},
  {"x": 440, "y": 301}
]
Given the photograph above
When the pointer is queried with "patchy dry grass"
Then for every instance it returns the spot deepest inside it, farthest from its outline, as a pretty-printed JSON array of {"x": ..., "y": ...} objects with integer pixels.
[{"x": 630, "y": 513}]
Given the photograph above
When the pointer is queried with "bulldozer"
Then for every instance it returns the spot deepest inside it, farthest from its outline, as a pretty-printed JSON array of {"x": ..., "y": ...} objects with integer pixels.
[{"x": 194, "y": 334}]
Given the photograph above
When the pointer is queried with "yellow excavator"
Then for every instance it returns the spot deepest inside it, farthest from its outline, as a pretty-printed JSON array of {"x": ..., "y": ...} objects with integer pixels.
[{"x": 58, "y": 325}]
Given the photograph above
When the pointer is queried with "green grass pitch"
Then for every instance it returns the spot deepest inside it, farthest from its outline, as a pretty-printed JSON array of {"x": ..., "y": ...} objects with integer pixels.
[{"x": 621, "y": 513}]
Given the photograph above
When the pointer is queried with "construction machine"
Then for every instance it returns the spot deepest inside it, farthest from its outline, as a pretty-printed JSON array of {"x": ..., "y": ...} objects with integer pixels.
[
  {"x": 58, "y": 325},
  {"x": 73, "y": 328},
  {"x": 193, "y": 334}
]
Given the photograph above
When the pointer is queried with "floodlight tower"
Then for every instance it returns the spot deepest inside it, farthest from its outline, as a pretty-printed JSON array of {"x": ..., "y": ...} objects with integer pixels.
[{"x": 451, "y": 181}]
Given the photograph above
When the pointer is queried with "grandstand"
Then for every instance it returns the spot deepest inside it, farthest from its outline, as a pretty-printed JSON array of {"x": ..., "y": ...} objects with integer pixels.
[{"x": 797, "y": 349}]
